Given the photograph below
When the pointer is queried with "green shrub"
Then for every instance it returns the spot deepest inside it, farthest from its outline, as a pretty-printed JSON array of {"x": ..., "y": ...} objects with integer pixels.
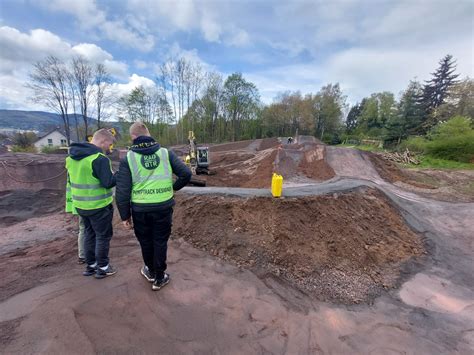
[
  {"x": 26, "y": 149},
  {"x": 452, "y": 140},
  {"x": 458, "y": 125},
  {"x": 49, "y": 150},
  {"x": 414, "y": 144},
  {"x": 458, "y": 147}
]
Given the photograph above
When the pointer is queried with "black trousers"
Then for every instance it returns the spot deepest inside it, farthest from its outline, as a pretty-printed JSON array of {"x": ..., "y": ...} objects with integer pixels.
[
  {"x": 97, "y": 234},
  {"x": 153, "y": 229}
]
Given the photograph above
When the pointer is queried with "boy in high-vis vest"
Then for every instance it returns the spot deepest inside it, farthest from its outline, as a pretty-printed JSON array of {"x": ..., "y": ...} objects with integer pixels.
[
  {"x": 144, "y": 193},
  {"x": 80, "y": 236},
  {"x": 91, "y": 181}
]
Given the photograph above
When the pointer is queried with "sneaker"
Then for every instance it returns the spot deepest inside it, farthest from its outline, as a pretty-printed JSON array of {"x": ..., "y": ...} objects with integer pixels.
[
  {"x": 158, "y": 284},
  {"x": 81, "y": 260},
  {"x": 90, "y": 270},
  {"x": 100, "y": 274},
  {"x": 145, "y": 271}
]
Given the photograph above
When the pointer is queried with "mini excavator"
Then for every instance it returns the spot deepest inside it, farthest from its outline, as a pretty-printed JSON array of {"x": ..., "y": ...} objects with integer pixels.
[
  {"x": 198, "y": 157},
  {"x": 198, "y": 160}
]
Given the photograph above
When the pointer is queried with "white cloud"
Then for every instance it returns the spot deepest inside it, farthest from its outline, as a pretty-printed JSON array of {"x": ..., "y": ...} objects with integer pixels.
[
  {"x": 239, "y": 38},
  {"x": 215, "y": 20},
  {"x": 116, "y": 31},
  {"x": 85, "y": 10},
  {"x": 121, "y": 89},
  {"x": 134, "y": 81},
  {"x": 175, "y": 51},
  {"x": 92, "y": 52},
  {"x": 362, "y": 71},
  {"x": 211, "y": 29},
  {"x": 20, "y": 47},
  {"x": 91, "y": 17},
  {"x": 21, "y": 50}
]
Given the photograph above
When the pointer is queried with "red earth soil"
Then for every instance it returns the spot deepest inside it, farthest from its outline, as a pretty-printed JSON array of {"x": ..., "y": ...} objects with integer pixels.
[
  {"x": 341, "y": 247},
  {"x": 304, "y": 159}
]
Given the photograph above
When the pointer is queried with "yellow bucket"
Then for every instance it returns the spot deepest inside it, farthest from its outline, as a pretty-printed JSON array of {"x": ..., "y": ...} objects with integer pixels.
[{"x": 277, "y": 185}]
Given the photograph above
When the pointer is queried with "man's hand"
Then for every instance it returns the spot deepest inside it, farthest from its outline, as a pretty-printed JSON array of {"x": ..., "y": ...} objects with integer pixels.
[{"x": 128, "y": 223}]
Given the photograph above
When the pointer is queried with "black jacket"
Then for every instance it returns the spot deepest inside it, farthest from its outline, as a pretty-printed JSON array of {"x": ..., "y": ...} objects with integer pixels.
[
  {"x": 146, "y": 146},
  {"x": 100, "y": 166}
]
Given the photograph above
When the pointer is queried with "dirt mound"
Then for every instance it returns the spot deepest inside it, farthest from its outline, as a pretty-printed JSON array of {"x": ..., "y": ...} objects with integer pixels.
[
  {"x": 32, "y": 171},
  {"x": 250, "y": 145},
  {"x": 306, "y": 159},
  {"x": 314, "y": 165},
  {"x": 19, "y": 205},
  {"x": 241, "y": 169},
  {"x": 230, "y": 146},
  {"x": 390, "y": 172},
  {"x": 342, "y": 247},
  {"x": 267, "y": 143}
]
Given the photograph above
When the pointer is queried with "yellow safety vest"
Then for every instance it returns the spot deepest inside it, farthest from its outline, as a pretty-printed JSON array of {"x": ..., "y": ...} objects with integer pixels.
[{"x": 152, "y": 177}]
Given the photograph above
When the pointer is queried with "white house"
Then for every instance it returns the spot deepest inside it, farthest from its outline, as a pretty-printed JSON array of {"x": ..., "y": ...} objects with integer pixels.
[{"x": 52, "y": 139}]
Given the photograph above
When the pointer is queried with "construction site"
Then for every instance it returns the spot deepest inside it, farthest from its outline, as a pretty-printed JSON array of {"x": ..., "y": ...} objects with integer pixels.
[{"x": 358, "y": 256}]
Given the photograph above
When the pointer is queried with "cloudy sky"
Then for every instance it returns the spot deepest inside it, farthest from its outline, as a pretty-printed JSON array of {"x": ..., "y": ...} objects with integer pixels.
[{"x": 366, "y": 46}]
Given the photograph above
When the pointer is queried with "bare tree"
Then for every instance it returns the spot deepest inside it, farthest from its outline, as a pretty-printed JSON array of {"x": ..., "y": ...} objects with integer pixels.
[
  {"x": 193, "y": 83},
  {"x": 84, "y": 80},
  {"x": 72, "y": 96},
  {"x": 167, "y": 83},
  {"x": 102, "y": 83},
  {"x": 49, "y": 83}
]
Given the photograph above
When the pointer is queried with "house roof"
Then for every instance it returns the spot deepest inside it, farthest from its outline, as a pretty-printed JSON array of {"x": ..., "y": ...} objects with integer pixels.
[{"x": 51, "y": 131}]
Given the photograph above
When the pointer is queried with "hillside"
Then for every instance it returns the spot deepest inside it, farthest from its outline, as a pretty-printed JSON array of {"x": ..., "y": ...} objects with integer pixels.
[{"x": 32, "y": 120}]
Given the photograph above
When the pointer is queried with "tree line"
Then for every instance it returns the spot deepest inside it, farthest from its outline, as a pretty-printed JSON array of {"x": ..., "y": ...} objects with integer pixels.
[
  {"x": 185, "y": 97},
  {"x": 76, "y": 90},
  {"x": 421, "y": 107}
]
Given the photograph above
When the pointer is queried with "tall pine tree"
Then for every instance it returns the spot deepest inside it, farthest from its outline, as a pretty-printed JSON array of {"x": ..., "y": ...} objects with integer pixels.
[
  {"x": 436, "y": 90},
  {"x": 353, "y": 117}
]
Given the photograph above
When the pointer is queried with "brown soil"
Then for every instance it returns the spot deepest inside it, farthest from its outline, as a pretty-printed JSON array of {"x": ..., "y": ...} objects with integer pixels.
[
  {"x": 20, "y": 205},
  {"x": 248, "y": 145},
  {"x": 268, "y": 143},
  {"x": 32, "y": 171},
  {"x": 438, "y": 184},
  {"x": 314, "y": 166},
  {"x": 390, "y": 172},
  {"x": 51, "y": 248},
  {"x": 306, "y": 159},
  {"x": 343, "y": 247},
  {"x": 241, "y": 169},
  {"x": 252, "y": 163},
  {"x": 230, "y": 146},
  {"x": 25, "y": 268}
]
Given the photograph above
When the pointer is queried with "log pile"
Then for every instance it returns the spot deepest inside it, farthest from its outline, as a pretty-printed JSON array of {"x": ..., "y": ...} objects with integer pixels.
[{"x": 405, "y": 158}]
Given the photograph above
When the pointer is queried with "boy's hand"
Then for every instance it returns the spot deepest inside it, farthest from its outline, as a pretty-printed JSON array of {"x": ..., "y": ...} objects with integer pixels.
[{"x": 128, "y": 223}]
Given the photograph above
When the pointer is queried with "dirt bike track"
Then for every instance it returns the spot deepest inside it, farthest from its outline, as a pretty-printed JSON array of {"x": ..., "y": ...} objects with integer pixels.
[{"x": 213, "y": 306}]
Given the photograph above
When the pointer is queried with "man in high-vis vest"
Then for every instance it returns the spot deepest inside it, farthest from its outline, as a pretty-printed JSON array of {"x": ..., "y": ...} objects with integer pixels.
[
  {"x": 91, "y": 181},
  {"x": 145, "y": 193}
]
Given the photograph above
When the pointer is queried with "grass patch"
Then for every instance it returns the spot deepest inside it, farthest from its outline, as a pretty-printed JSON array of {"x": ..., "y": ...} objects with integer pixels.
[
  {"x": 429, "y": 162},
  {"x": 368, "y": 148}
]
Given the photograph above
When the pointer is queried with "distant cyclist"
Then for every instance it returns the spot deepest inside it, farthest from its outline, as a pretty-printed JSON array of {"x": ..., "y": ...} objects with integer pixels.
[{"x": 290, "y": 140}]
